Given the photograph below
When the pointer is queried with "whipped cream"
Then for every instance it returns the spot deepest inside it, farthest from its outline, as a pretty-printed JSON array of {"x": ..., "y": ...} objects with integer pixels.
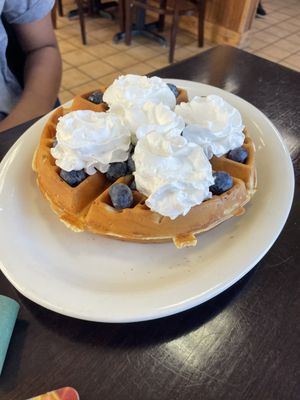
[
  {"x": 135, "y": 90},
  {"x": 90, "y": 140},
  {"x": 175, "y": 175},
  {"x": 213, "y": 124},
  {"x": 159, "y": 118},
  {"x": 150, "y": 117}
]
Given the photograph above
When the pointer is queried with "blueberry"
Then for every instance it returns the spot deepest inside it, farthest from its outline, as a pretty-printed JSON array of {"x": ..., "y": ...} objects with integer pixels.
[
  {"x": 121, "y": 196},
  {"x": 239, "y": 154},
  {"x": 96, "y": 97},
  {"x": 116, "y": 170},
  {"x": 174, "y": 89},
  {"x": 223, "y": 182},
  {"x": 73, "y": 178},
  {"x": 130, "y": 165}
]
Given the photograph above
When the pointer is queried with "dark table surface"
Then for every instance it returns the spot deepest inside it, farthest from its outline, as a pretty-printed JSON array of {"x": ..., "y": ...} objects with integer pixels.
[{"x": 243, "y": 344}]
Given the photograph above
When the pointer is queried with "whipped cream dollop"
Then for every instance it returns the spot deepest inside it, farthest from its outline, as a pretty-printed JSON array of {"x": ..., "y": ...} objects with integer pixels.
[
  {"x": 90, "y": 140},
  {"x": 212, "y": 123},
  {"x": 135, "y": 90},
  {"x": 150, "y": 117},
  {"x": 175, "y": 175},
  {"x": 159, "y": 118}
]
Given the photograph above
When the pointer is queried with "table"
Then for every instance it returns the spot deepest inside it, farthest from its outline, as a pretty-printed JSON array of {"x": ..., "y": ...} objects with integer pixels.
[
  {"x": 140, "y": 27},
  {"x": 243, "y": 344}
]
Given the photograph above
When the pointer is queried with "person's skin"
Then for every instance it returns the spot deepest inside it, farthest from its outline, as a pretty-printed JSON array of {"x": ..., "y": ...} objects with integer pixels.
[{"x": 42, "y": 72}]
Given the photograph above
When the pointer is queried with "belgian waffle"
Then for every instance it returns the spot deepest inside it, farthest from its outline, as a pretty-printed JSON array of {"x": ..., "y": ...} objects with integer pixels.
[{"x": 88, "y": 207}]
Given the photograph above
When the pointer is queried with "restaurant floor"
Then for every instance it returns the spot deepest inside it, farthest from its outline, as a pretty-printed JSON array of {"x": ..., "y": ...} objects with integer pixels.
[{"x": 275, "y": 37}]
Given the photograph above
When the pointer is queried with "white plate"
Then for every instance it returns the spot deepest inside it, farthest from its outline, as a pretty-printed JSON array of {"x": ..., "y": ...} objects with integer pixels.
[{"x": 89, "y": 277}]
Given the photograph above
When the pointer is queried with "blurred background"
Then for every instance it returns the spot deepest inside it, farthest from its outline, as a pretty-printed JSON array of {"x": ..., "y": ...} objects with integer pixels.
[{"x": 274, "y": 36}]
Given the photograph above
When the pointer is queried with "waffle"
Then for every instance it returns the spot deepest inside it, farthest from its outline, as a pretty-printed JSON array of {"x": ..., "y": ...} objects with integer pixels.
[
  {"x": 246, "y": 172},
  {"x": 88, "y": 207}
]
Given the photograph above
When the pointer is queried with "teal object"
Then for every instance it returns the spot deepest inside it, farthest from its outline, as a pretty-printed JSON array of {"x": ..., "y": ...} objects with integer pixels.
[{"x": 9, "y": 309}]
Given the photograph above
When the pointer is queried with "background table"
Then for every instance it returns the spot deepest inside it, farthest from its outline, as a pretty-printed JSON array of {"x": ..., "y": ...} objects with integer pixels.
[{"x": 243, "y": 344}]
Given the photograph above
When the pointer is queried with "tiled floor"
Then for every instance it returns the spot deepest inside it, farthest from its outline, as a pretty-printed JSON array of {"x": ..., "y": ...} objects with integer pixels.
[{"x": 275, "y": 37}]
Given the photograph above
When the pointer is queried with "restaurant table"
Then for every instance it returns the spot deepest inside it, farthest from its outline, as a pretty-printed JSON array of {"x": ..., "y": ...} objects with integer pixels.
[
  {"x": 242, "y": 344},
  {"x": 140, "y": 27}
]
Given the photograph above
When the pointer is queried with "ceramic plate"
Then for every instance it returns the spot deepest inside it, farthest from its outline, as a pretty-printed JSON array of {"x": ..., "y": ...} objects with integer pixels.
[{"x": 99, "y": 279}]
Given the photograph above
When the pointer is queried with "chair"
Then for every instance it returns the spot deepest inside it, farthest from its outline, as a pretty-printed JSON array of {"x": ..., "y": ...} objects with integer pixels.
[
  {"x": 162, "y": 8},
  {"x": 58, "y": 6},
  {"x": 83, "y": 6}
]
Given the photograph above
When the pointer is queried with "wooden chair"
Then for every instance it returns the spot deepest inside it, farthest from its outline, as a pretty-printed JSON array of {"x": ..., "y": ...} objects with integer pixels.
[
  {"x": 58, "y": 7},
  {"x": 96, "y": 7},
  {"x": 80, "y": 9},
  {"x": 163, "y": 8}
]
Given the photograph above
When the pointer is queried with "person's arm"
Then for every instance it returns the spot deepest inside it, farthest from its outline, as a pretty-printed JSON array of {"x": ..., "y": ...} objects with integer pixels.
[{"x": 42, "y": 73}]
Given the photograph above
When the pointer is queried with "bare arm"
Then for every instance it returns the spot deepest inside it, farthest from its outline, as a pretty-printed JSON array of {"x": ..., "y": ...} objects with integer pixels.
[{"x": 42, "y": 72}]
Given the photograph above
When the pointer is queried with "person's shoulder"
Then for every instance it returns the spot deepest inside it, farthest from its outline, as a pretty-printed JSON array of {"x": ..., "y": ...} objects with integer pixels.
[{"x": 25, "y": 11}]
